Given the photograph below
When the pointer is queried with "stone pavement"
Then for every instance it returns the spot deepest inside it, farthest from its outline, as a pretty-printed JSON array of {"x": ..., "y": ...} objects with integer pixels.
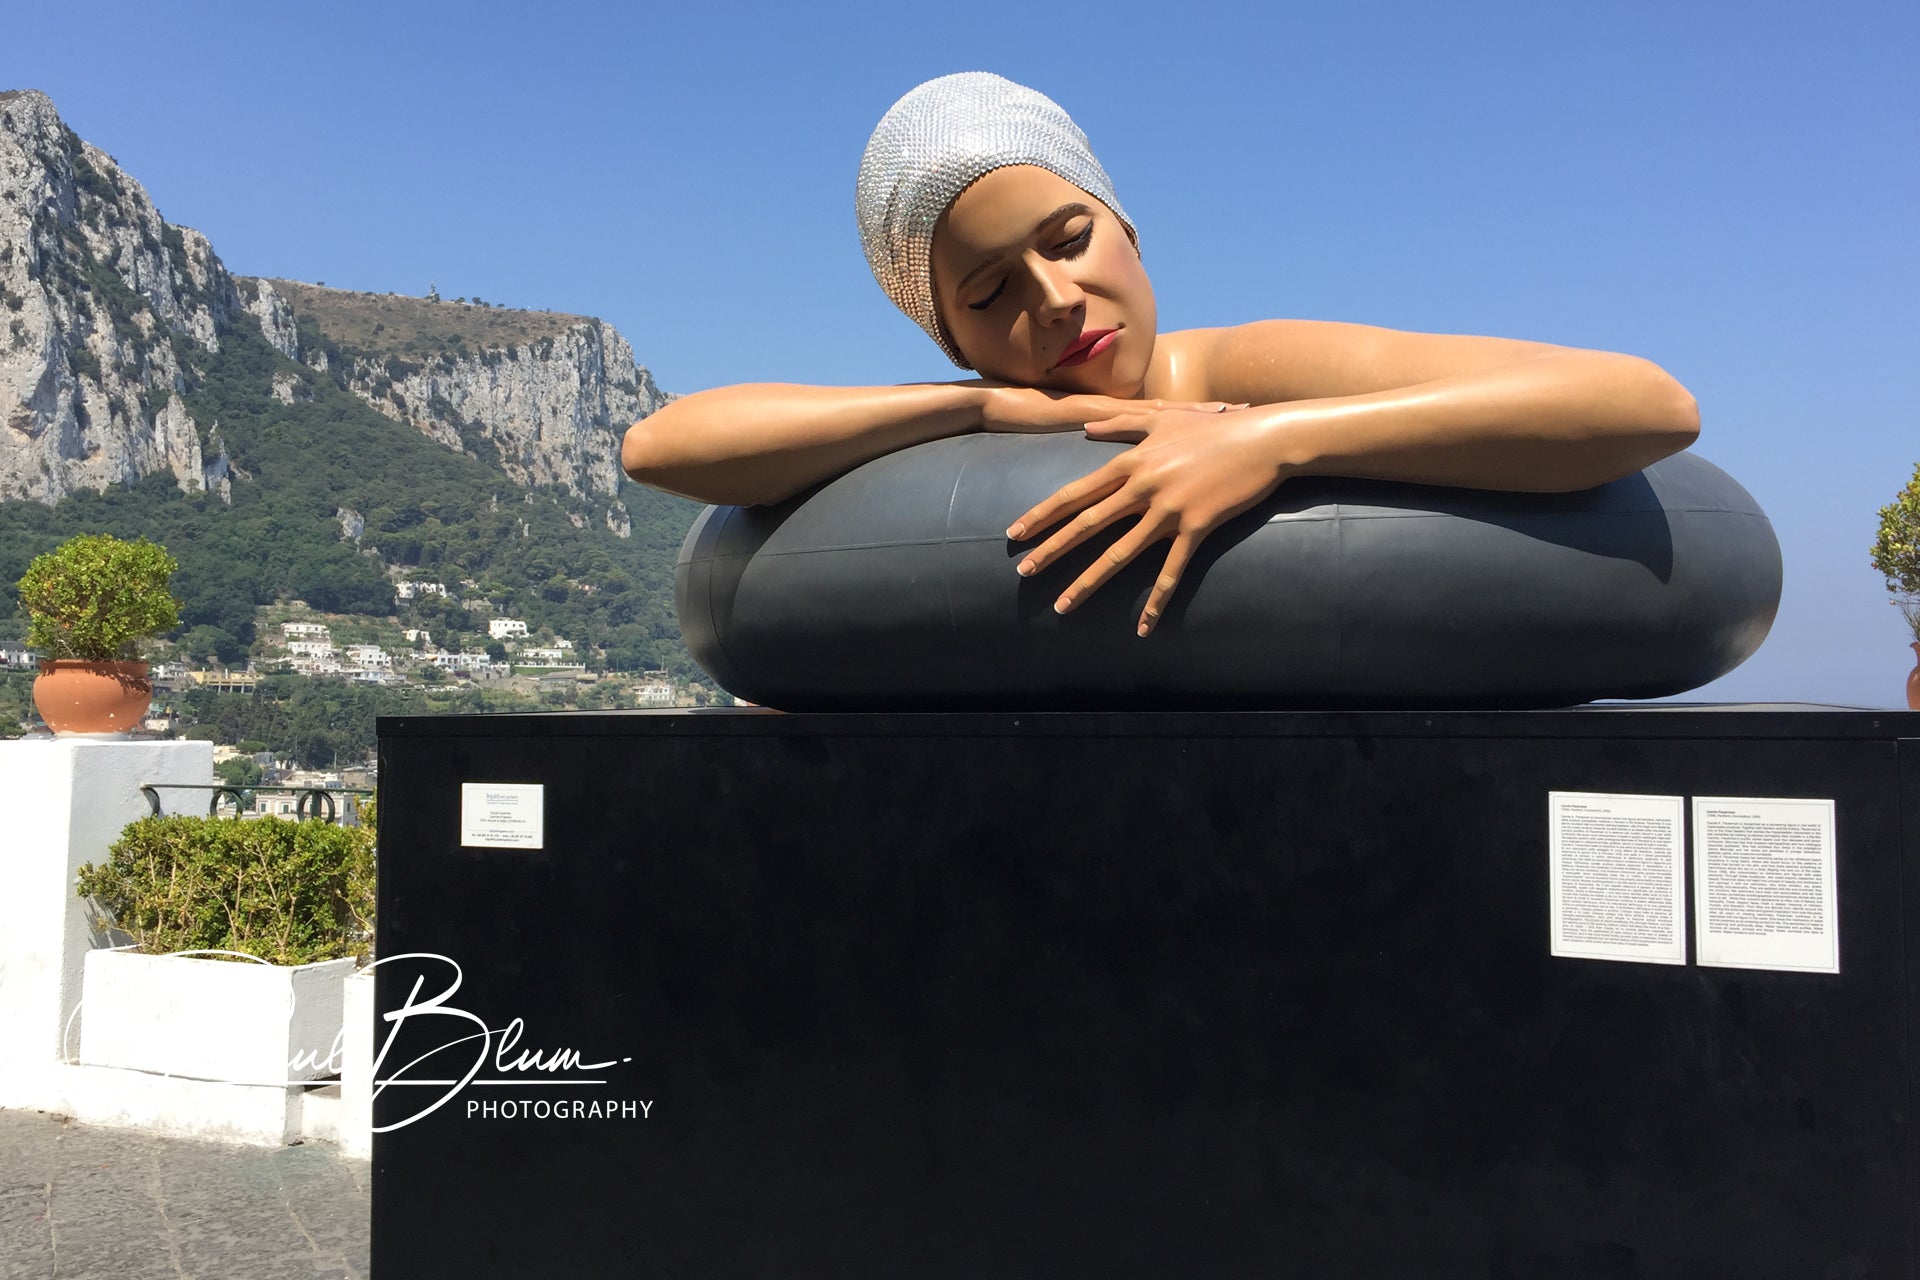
[{"x": 84, "y": 1203}]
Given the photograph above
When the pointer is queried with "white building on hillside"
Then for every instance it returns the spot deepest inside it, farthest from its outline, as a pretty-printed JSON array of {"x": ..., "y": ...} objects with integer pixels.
[
  {"x": 310, "y": 648},
  {"x": 502, "y": 628},
  {"x": 306, "y": 630},
  {"x": 540, "y": 657},
  {"x": 419, "y": 590},
  {"x": 369, "y": 657},
  {"x": 222, "y": 681}
]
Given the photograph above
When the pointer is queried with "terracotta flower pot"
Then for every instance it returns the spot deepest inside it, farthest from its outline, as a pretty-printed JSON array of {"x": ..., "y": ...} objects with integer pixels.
[
  {"x": 92, "y": 697},
  {"x": 1913, "y": 680}
]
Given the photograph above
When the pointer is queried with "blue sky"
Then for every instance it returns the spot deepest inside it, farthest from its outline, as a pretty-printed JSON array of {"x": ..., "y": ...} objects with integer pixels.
[{"x": 1729, "y": 190}]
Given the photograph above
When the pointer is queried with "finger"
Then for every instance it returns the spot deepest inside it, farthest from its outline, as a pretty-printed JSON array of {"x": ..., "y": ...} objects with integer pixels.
[
  {"x": 1097, "y": 408},
  {"x": 1144, "y": 408},
  {"x": 1078, "y": 530},
  {"x": 1208, "y": 406},
  {"x": 1163, "y": 586},
  {"x": 1111, "y": 561},
  {"x": 1067, "y": 499},
  {"x": 1128, "y": 429},
  {"x": 1134, "y": 407}
]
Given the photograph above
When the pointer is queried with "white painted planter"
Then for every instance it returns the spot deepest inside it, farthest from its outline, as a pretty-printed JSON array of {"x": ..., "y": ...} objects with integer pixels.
[
  {"x": 355, "y": 1130},
  {"x": 225, "y": 1020}
]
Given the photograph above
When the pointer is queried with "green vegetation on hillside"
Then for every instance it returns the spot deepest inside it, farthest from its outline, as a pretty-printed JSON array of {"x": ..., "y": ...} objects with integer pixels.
[
  {"x": 386, "y": 324},
  {"x": 318, "y": 723},
  {"x": 16, "y": 700},
  {"x": 438, "y": 514},
  {"x": 326, "y": 724}
]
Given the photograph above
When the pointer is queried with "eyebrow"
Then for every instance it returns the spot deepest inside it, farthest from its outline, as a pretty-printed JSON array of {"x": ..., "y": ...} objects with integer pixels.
[{"x": 1068, "y": 209}]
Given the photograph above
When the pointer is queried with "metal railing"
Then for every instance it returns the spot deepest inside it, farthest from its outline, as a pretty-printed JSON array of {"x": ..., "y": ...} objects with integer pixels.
[{"x": 314, "y": 803}]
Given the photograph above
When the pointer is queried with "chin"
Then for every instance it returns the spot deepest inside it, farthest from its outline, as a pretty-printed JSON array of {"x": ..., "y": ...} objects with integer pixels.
[
  {"x": 1083, "y": 385},
  {"x": 1119, "y": 378},
  {"x": 1123, "y": 384}
]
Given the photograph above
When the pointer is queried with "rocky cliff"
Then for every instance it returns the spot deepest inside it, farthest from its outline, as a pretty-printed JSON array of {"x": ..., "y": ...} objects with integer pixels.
[
  {"x": 104, "y": 306},
  {"x": 544, "y": 396}
]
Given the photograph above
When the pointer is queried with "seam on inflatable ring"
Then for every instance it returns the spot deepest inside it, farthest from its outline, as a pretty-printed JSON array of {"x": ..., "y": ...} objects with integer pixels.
[
  {"x": 713, "y": 623},
  {"x": 1457, "y": 515},
  {"x": 946, "y": 540},
  {"x": 763, "y": 553},
  {"x": 1339, "y": 614}
]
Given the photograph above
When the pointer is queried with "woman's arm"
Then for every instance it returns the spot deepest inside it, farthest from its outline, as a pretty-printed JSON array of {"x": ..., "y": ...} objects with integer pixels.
[
  {"x": 765, "y": 442},
  {"x": 1350, "y": 400},
  {"x": 762, "y": 443},
  {"x": 1488, "y": 413}
]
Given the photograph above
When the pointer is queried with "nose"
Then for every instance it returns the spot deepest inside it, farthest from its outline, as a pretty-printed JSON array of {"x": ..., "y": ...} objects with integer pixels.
[{"x": 1060, "y": 293}]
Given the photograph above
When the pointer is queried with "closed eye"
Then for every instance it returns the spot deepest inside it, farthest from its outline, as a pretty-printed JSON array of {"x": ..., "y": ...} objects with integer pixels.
[
  {"x": 1072, "y": 247},
  {"x": 991, "y": 298}
]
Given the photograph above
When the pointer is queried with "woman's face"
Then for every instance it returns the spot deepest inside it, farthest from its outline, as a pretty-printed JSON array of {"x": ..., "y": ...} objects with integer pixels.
[{"x": 1039, "y": 285}]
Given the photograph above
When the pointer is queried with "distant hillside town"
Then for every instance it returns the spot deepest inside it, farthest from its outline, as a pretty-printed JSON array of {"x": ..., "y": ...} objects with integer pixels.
[{"x": 380, "y": 503}]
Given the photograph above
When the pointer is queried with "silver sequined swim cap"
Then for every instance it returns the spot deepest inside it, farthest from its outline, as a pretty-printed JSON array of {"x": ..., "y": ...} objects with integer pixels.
[{"x": 935, "y": 143}]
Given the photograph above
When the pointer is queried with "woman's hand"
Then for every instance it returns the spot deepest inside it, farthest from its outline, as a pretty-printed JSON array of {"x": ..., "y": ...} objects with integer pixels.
[
  {"x": 1034, "y": 410},
  {"x": 1189, "y": 472}
]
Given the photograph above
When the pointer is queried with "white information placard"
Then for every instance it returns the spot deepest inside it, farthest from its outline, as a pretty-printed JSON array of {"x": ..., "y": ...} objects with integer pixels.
[
  {"x": 1764, "y": 892},
  {"x": 1617, "y": 876},
  {"x": 502, "y": 815}
]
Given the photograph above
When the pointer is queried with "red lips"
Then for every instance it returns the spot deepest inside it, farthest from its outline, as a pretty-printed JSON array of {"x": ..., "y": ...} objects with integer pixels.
[{"x": 1089, "y": 344}]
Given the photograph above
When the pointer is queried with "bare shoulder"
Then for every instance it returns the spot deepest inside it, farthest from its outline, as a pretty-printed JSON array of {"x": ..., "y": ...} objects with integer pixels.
[{"x": 1272, "y": 361}]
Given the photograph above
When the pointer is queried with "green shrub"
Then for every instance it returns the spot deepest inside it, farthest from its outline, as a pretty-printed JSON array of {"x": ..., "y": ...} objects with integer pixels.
[
  {"x": 91, "y": 597},
  {"x": 1896, "y": 550},
  {"x": 284, "y": 892}
]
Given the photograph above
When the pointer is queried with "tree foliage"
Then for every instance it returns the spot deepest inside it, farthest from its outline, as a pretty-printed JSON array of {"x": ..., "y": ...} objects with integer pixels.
[
  {"x": 1896, "y": 550},
  {"x": 16, "y": 701},
  {"x": 317, "y": 724},
  {"x": 93, "y": 596}
]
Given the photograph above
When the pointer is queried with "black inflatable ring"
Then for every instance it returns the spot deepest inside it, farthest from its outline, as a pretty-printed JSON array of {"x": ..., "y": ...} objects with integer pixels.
[{"x": 893, "y": 587}]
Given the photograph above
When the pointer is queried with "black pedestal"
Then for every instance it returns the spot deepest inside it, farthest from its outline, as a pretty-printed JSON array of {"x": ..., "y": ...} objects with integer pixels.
[{"x": 1156, "y": 995}]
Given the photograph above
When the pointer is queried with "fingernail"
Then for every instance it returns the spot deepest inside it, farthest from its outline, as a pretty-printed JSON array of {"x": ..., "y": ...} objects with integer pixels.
[
  {"x": 1062, "y": 604},
  {"x": 1026, "y": 568},
  {"x": 1145, "y": 627},
  {"x": 1015, "y": 530}
]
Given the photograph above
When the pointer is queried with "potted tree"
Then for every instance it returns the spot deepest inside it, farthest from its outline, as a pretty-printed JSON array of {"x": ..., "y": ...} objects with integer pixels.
[
  {"x": 89, "y": 600},
  {"x": 1896, "y": 554}
]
